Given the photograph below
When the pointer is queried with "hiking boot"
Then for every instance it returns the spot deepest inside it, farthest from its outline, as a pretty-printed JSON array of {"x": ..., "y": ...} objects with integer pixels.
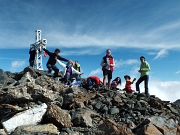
[{"x": 138, "y": 91}]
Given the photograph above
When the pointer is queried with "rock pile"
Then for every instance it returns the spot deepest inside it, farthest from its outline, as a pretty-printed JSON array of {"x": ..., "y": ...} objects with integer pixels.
[{"x": 34, "y": 103}]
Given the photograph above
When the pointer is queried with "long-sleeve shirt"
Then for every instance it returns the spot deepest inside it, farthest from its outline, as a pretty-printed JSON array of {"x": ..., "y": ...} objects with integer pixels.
[
  {"x": 64, "y": 67},
  {"x": 52, "y": 56},
  {"x": 145, "y": 68}
]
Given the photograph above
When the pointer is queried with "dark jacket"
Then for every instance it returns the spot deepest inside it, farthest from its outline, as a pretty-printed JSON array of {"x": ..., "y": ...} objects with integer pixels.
[
  {"x": 52, "y": 56},
  {"x": 32, "y": 54}
]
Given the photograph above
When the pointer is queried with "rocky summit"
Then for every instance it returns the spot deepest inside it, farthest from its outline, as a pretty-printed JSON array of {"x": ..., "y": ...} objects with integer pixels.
[{"x": 32, "y": 102}]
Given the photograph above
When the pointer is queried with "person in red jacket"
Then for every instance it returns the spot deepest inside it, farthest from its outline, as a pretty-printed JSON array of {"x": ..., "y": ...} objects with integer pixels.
[
  {"x": 94, "y": 79},
  {"x": 128, "y": 87},
  {"x": 107, "y": 64}
]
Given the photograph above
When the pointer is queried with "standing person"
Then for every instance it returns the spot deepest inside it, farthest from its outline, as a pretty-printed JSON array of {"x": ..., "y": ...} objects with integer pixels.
[
  {"x": 32, "y": 53},
  {"x": 144, "y": 70},
  {"x": 107, "y": 64},
  {"x": 52, "y": 61},
  {"x": 77, "y": 66}
]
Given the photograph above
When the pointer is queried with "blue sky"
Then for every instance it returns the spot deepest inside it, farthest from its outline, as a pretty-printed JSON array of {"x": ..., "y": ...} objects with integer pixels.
[{"x": 84, "y": 29}]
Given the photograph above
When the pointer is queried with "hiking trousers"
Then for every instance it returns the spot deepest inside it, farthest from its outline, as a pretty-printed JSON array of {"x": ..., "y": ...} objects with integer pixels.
[
  {"x": 68, "y": 76},
  {"x": 53, "y": 67},
  {"x": 140, "y": 80}
]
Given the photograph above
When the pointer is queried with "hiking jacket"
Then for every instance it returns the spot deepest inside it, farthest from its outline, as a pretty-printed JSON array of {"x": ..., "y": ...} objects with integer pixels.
[
  {"x": 32, "y": 54},
  {"x": 98, "y": 81},
  {"x": 108, "y": 60},
  {"x": 64, "y": 67},
  {"x": 52, "y": 56}
]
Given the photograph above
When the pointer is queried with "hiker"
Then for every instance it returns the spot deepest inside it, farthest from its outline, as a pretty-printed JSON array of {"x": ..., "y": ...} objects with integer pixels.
[
  {"x": 115, "y": 83},
  {"x": 32, "y": 53},
  {"x": 77, "y": 66},
  {"x": 93, "y": 81},
  {"x": 107, "y": 64},
  {"x": 128, "y": 85},
  {"x": 69, "y": 72},
  {"x": 51, "y": 62},
  {"x": 144, "y": 71}
]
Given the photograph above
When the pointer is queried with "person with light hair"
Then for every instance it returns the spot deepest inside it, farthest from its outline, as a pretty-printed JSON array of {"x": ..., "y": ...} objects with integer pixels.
[{"x": 69, "y": 72}]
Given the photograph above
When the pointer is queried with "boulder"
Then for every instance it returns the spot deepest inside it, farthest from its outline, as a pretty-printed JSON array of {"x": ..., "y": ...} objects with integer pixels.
[
  {"x": 16, "y": 94},
  {"x": 46, "y": 129},
  {"x": 18, "y": 75},
  {"x": 2, "y": 132},
  {"x": 117, "y": 99},
  {"x": 177, "y": 102},
  {"x": 148, "y": 129},
  {"x": 29, "y": 91},
  {"x": 27, "y": 78},
  {"x": 111, "y": 128},
  {"x": 42, "y": 94},
  {"x": 49, "y": 83},
  {"x": 3, "y": 77},
  {"x": 8, "y": 110},
  {"x": 83, "y": 118},
  {"x": 59, "y": 117},
  {"x": 31, "y": 71},
  {"x": 165, "y": 126},
  {"x": 29, "y": 117}
]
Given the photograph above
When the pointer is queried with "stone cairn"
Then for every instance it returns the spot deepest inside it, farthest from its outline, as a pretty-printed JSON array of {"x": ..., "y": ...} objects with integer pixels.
[{"x": 32, "y": 102}]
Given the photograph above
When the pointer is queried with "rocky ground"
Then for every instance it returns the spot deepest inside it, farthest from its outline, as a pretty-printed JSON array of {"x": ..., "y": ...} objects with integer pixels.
[{"x": 34, "y": 103}]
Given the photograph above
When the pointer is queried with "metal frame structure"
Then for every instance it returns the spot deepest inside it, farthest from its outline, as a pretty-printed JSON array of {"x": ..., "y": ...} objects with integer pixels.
[{"x": 38, "y": 64}]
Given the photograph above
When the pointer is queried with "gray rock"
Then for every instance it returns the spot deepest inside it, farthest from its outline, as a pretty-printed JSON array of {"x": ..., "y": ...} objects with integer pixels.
[
  {"x": 98, "y": 106},
  {"x": 177, "y": 102},
  {"x": 104, "y": 108},
  {"x": 16, "y": 94},
  {"x": 83, "y": 118},
  {"x": 113, "y": 110},
  {"x": 172, "y": 109},
  {"x": 3, "y": 76}
]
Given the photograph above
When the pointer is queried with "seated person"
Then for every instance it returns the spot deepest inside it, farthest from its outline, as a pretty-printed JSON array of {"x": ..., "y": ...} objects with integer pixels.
[
  {"x": 115, "y": 83},
  {"x": 128, "y": 88},
  {"x": 69, "y": 72}
]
